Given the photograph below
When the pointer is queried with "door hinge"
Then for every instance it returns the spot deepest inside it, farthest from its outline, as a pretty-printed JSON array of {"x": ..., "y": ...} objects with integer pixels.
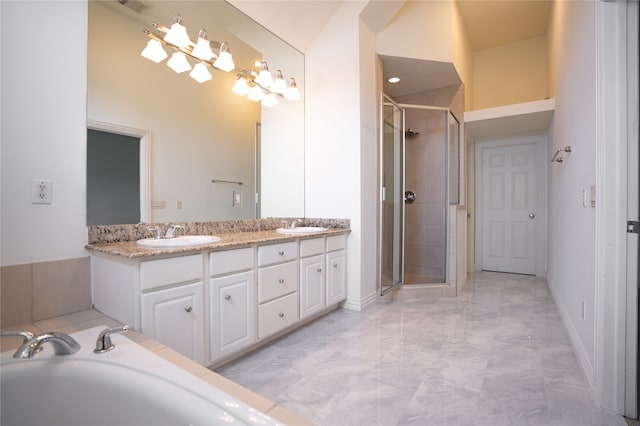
[{"x": 633, "y": 227}]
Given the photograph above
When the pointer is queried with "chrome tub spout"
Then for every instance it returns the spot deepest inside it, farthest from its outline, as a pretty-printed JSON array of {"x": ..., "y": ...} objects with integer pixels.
[{"x": 63, "y": 344}]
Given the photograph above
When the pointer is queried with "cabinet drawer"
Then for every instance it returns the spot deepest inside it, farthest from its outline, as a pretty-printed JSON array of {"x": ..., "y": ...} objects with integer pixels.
[
  {"x": 277, "y": 315},
  {"x": 275, "y": 253},
  {"x": 336, "y": 242},
  {"x": 222, "y": 262},
  {"x": 311, "y": 247},
  {"x": 160, "y": 272},
  {"x": 278, "y": 280}
]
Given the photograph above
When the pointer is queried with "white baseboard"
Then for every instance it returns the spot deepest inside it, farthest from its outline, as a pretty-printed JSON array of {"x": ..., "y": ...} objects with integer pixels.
[
  {"x": 578, "y": 347},
  {"x": 359, "y": 305}
]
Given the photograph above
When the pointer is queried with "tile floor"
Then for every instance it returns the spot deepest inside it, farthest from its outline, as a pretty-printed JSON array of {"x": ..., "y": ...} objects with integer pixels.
[{"x": 496, "y": 355}]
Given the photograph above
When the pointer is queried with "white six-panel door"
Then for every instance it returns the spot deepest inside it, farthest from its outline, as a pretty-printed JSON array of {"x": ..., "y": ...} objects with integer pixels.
[{"x": 509, "y": 209}]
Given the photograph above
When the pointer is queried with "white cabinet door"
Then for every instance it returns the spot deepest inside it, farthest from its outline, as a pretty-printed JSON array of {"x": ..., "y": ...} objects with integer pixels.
[
  {"x": 336, "y": 277},
  {"x": 231, "y": 316},
  {"x": 312, "y": 290},
  {"x": 175, "y": 317}
]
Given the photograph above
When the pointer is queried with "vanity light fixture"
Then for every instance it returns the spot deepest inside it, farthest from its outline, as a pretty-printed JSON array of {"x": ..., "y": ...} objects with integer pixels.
[
  {"x": 263, "y": 87},
  {"x": 177, "y": 38},
  {"x": 259, "y": 86}
]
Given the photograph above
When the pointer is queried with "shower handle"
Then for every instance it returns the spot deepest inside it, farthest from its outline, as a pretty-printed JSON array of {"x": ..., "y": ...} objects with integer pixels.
[{"x": 409, "y": 197}]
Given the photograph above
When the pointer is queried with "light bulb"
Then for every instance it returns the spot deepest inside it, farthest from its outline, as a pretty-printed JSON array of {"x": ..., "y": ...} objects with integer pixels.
[
  {"x": 200, "y": 73},
  {"x": 203, "y": 47},
  {"x": 241, "y": 87},
  {"x": 264, "y": 78},
  {"x": 279, "y": 85},
  {"x": 178, "y": 62},
  {"x": 256, "y": 94},
  {"x": 154, "y": 51},
  {"x": 177, "y": 35},
  {"x": 292, "y": 93},
  {"x": 225, "y": 60},
  {"x": 270, "y": 100}
]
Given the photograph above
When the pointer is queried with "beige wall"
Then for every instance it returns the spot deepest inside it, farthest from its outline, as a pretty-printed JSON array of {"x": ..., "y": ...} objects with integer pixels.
[{"x": 510, "y": 74}]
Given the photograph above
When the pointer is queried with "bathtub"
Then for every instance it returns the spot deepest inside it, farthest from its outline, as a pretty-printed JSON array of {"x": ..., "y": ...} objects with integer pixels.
[{"x": 126, "y": 386}]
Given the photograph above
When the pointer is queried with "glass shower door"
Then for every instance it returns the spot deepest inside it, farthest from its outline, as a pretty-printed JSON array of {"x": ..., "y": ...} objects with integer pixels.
[{"x": 391, "y": 196}]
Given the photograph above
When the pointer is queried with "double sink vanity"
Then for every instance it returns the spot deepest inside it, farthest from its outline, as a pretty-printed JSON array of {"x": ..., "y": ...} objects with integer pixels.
[{"x": 219, "y": 289}]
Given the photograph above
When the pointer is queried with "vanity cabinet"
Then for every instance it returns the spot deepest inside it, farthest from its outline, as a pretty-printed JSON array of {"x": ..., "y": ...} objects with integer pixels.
[
  {"x": 312, "y": 276},
  {"x": 162, "y": 297},
  {"x": 175, "y": 317},
  {"x": 231, "y": 302},
  {"x": 277, "y": 287},
  {"x": 336, "y": 269},
  {"x": 213, "y": 304}
]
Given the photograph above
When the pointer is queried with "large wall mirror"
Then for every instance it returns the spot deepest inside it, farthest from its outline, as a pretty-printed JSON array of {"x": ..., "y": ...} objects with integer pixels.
[{"x": 195, "y": 133}]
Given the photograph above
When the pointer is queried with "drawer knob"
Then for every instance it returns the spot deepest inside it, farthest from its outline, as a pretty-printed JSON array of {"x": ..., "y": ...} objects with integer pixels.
[
  {"x": 227, "y": 297},
  {"x": 188, "y": 309},
  {"x": 281, "y": 252},
  {"x": 281, "y": 280},
  {"x": 319, "y": 269},
  {"x": 281, "y": 314}
]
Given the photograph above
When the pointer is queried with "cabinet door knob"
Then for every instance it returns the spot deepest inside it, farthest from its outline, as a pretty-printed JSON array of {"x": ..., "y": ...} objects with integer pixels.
[
  {"x": 319, "y": 269},
  {"x": 281, "y": 280},
  {"x": 188, "y": 309},
  {"x": 227, "y": 297},
  {"x": 335, "y": 265},
  {"x": 281, "y": 314},
  {"x": 281, "y": 253}
]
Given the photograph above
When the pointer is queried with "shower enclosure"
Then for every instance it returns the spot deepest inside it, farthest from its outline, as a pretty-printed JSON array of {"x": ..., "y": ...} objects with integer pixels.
[{"x": 419, "y": 179}]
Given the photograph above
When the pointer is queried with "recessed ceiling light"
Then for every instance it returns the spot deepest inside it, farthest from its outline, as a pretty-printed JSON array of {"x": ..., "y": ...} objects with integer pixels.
[{"x": 394, "y": 79}]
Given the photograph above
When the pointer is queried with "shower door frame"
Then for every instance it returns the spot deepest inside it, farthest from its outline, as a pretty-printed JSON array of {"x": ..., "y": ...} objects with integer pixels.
[
  {"x": 448, "y": 114},
  {"x": 386, "y": 100}
]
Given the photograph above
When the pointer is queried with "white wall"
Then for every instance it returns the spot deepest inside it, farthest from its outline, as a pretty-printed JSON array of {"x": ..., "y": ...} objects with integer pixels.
[
  {"x": 572, "y": 227},
  {"x": 340, "y": 140},
  {"x": 510, "y": 74},
  {"x": 43, "y": 129}
]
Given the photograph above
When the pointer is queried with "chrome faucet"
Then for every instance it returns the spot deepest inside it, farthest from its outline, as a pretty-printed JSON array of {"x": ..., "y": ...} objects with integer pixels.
[
  {"x": 103, "y": 343},
  {"x": 157, "y": 230},
  {"x": 292, "y": 225},
  {"x": 63, "y": 344},
  {"x": 171, "y": 230}
]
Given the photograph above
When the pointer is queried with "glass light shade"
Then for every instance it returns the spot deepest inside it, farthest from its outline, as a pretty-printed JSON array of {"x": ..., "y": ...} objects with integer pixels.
[
  {"x": 203, "y": 47},
  {"x": 279, "y": 85},
  {"x": 178, "y": 62},
  {"x": 200, "y": 73},
  {"x": 241, "y": 87},
  {"x": 256, "y": 94},
  {"x": 224, "y": 61},
  {"x": 292, "y": 93},
  {"x": 154, "y": 51},
  {"x": 270, "y": 100},
  {"x": 264, "y": 78},
  {"x": 177, "y": 35}
]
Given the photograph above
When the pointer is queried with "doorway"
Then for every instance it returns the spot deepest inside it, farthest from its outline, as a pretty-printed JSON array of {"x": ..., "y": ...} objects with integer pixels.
[{"x": 419, "y": 179}]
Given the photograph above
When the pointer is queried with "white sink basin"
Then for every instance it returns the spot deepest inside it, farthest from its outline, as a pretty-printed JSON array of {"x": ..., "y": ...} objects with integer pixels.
[
  {"x": 181, "y": 241},
  {"x": 301, "y": 230}
]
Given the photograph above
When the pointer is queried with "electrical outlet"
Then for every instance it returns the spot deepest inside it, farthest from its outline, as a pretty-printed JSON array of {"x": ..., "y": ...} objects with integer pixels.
[
  {"x": 237, "y": 198},
  {"x": 41, "y": 191}
]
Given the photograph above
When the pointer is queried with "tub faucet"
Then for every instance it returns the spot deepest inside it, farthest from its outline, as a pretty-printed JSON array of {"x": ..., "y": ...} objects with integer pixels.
[
  {"x": 63, "y": 344},
  {"x": 103, "y": 343},
  {"x": 171, "y": 230}
]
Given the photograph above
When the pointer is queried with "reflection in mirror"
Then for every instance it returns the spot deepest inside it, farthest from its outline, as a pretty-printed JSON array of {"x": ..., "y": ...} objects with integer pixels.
[{"x": 200, "y": 132}]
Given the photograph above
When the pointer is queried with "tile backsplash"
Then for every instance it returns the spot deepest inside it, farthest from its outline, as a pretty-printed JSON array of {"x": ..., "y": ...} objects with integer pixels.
[{"x": 36, "y": 291}]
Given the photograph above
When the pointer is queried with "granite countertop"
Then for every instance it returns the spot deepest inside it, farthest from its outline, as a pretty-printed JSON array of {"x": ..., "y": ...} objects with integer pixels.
[{"x": 129, "y": 249}]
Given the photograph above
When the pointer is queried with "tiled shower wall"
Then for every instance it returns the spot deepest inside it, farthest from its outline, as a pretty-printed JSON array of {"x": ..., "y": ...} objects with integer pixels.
[{"x": 36, "y": 291}]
